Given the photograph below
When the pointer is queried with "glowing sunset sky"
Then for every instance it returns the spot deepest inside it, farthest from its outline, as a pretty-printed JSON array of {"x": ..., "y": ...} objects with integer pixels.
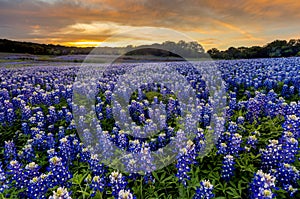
[{"x": 212, "y": 23}]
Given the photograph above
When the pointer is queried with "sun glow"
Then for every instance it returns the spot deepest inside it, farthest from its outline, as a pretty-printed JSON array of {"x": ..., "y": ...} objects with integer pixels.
[{"x": 83, "y": 43}]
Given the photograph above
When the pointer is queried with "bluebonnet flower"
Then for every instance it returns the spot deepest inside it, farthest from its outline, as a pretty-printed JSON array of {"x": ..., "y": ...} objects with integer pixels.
[
  {"x": 41, "y": 125},
  {"x": 290, "y": 147},
  {"x": 162, "y": 140},
  {"x": 50, "y": 141},
  {"x": 26, "y": 113},
  {"x": 271, "y": 96},
  {"x": 25, "y": 128},
  {"x": 40, "y": 117},
  {"x": 60, "y": 193},
  {"x": 241, "y": 105},
  {"x": 200, "y": 140},
  {"x": 16, "y": 101},
  {"x": 84, "y": 154},
  {"x": 142, "y": 119},
  {"x": 97, "y": 184},
  {"x": 98, "y": 109},
  {"x": 186, "y": 158},
  {"x": 51, "y": 128},
  {"x": 108, "y": 95},
  {"x": 52, "y": 116},
  {"x": 56, "y": 100},
  {"x": 3, "y": 185},
  {"x": 10, "y": 152},
  {"x": 2, "y": 117},
  {"x": 293, "y": 109},
  {"x": 206, "y": 120},
  {"x": 122, "y": 140},
  {"x": 235, "y": 144},
  {"x": 254, "y": 109},
  {"x": 15, "y": 171},
  {"x": 240, "y": 120},
  {"x": 229, "y": 112},
  {"x": 227, "y": 167},
  {"x": 69, "y": 117},
  {"x": 51, "y": 153},
  {"x": 61, "y": 132},
  {"x": 31, "y": 170},
  {"x": 226, "y": 136},
  {"x": 96, "y": 167},
  {"x": 87, "y": 136},
  {"x": 148, "y": 178},
  {"x": 292, "y": 90},
  {"x": 40, "y": 140},
  {"x": 59, "y": 173},
  {"x": 287, "y": 174},
  {"x": 285, "y": 91},
  {"x": 65, "y": 150},
  {"x": 72, "y": 125},
  {"x": 251, "y": 141},
  {"x": 38, "y": 186},
  {"x": 76, "y": 148},
  {"x": 262, "y": 186},
  {"x": 108, "y": 112},
  {"x": 11, "y": 116},
  {"x": 232, "y": 103},
  {"x": 271, "y": 109},
  {"x": 271, "y": 156},
  {"x": 232, "y": 127},
  {"x": 222, "y": 148},
  {"x": 204, "y": 191},
  {"x": 131, "y": 165},
  {"x": 134, "y": 146},
  {"x": 223, "y": 143},
  {"x": 117, "y": 183},
  {"x": 145, "y": 158},
  {"x": 292, "y": 124},
  {"x": 290, "y": 189},
  {"x": 34, "y": 131},
  {"x": 125, "y": 194},
  {"x": 60, "y": 115}
]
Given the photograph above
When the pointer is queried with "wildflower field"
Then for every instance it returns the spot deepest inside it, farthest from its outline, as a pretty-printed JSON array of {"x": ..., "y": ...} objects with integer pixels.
[{"x": 48, "y": 149}]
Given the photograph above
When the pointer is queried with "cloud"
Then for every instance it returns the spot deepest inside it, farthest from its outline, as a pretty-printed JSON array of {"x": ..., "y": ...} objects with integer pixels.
[{"x": 225, "y": 22}]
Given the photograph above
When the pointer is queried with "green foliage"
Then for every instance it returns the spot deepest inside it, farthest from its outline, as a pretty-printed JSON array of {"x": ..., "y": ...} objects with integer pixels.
[{"x": 277, "y": 48}]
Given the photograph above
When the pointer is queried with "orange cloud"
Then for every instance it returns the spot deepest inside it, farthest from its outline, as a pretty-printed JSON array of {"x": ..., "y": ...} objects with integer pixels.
[{"x": 232, "y": 22}]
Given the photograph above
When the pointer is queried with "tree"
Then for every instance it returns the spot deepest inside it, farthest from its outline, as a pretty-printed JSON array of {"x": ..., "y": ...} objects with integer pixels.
[{"x": 214, "y": 53}]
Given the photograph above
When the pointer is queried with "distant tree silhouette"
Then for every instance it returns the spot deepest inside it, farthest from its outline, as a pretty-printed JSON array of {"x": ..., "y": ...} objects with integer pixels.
[
  {"x": 277, "y": 48},
  {"x": 186, "y": 49}
]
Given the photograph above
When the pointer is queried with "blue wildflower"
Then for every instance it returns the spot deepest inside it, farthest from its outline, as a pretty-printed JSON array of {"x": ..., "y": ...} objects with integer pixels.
[
  {"x": 287, "y": 174},
  {"x": 38, "y": 186},
  {"x": 227, "y": 167},
  {"x": 186, "y": 158},
  {"x": 59, "y": 173},
  {"x": 3, "y": 185},
  {"x": 97, "y": 184},
  {"x": 117, "y": 183},
  {"x": 204, "y": 191},
  {"x": 10, "y": 152},
  {"x": 262, "y": 186},
  {"x": 61, "y": 193},
  {"x": 125, "y": 194}
]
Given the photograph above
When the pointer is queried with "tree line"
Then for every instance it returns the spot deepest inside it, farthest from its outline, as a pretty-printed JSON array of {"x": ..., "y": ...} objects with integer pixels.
[
  {"x": 182, "y": 48},
  {"x": 277, "y": 48}
]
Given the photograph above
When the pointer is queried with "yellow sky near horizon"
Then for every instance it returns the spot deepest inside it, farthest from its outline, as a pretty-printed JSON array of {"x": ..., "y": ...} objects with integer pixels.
[{"x": 214, "y": 23}]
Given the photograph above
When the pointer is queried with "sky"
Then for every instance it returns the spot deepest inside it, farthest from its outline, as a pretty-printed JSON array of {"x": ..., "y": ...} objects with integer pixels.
[{"x": 214, "y": 24}]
